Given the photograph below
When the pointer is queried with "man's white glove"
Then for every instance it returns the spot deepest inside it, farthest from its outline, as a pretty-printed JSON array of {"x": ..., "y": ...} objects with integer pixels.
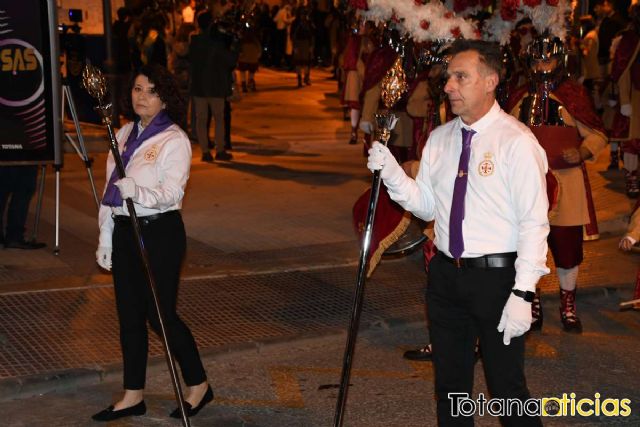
[
  {"x": 128, "y": 188},
  {"x": 380, "y": 158},
  {"x": 366, "y": 127},
  {"x": 626, "y": 110},
  {"x": 103, "y": 257},
  {"x": 516, "y": 318}
]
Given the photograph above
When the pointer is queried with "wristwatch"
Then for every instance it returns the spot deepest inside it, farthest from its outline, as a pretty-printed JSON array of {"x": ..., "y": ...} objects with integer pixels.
[{"x": 525, "y": 295}]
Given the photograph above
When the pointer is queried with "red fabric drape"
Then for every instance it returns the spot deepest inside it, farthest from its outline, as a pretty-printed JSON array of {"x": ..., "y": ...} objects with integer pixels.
[
  {"x": 377, "y": 65},
  {"x": 351, "y": 52}
]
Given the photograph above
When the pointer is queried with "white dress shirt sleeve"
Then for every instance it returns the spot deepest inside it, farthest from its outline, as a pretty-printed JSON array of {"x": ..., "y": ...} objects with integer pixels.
[
  {"x": 415, "y": 196},
  {"x": 528, "y": 166},
  {"x": 105, "y": 222}
]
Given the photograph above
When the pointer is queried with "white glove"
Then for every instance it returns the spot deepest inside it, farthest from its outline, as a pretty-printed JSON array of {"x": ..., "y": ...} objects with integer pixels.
[
  {"x": 103, "y": 257},
  {"x": 612, "y": 102},
  {"x": 516, "y": 318},
  {"x": 366, "y": 127},
  {"x": 626, "y": 110},
  {"x": 380, "y": 158},
  {"x": 128, "y": 188}
]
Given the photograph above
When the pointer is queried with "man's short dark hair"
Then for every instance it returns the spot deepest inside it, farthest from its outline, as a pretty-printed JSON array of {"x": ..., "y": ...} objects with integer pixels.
[
  {"x": 489, "y": 52},
  {"x": 204, "y": 20},
  {"x": 123, "y": 13}
]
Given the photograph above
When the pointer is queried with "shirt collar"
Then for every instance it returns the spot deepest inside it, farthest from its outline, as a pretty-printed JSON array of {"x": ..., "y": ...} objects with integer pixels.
[{"x": 485, "y": 122}]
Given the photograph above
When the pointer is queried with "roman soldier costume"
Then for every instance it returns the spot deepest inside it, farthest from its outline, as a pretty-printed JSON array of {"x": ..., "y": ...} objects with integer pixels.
[
  {"x": 625, "y": 75},
  {"x": 561, "y": 115}
]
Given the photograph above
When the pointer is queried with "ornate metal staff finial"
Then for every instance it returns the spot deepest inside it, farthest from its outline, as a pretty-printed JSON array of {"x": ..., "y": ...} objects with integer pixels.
[
  {"x": 94, "y": 82},
  {"x": 394, "y": 84}
]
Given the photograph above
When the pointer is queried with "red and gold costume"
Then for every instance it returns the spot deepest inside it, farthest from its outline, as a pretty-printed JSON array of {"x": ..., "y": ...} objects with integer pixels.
[
  {"x": 571, "y": 124},
  {"x": 625, "y": 73}
]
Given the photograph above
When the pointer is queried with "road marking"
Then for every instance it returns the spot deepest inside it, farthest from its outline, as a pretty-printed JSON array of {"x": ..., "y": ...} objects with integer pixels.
[
  {"x": 536, "y": 347},
  {"x": 286, "y": 386}
]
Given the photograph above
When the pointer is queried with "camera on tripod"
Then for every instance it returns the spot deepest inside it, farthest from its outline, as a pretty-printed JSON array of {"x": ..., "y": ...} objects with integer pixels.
[{"x": 75, "y": 16}]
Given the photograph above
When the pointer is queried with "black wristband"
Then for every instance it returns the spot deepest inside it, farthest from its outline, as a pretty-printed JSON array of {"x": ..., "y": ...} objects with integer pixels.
[{"x": 525, "y": 295}]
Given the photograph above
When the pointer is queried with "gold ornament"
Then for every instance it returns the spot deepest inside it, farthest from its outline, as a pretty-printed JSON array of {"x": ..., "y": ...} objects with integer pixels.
[
  {"x": 394, "y": 84},
  {"x": 94, "y": 82}
]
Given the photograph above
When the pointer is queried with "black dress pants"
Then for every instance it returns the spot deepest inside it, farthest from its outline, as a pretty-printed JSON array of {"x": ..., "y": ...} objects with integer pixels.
[
  {"x": 165, "y": 241},
  {"x": 465, "y": 304}
]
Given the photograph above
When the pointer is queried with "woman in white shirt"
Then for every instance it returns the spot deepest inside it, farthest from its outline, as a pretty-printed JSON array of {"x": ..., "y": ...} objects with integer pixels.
[{"x": 156, "y": 154}]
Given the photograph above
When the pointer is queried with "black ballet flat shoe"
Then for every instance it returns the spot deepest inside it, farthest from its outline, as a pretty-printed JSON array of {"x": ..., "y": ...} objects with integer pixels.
[
  {"x": 192, "y": 412},
  {"x": 109, "y": 414}
]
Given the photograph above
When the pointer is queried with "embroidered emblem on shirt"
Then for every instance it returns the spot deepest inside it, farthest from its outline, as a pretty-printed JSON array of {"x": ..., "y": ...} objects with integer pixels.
[
  {"x": 151, "y": 154},
  {"x": 486, "y": 167}
]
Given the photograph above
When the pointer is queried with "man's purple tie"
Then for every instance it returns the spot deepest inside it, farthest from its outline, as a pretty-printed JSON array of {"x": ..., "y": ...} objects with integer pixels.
[{"x": 456, "y": 241}]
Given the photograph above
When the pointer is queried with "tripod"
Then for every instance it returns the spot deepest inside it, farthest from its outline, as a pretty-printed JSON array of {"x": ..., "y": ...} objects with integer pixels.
[{"x": 79, "y": 147}]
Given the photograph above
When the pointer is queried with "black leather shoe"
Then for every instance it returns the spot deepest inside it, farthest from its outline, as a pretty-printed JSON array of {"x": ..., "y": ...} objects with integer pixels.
[
  {"x": 207, "y": 157},
  {"x": 109, "y": 414},
  {"x": 420, "y": 355},
  {"x": 23, "y": 244},
  {"x": 192, "y": 412},
  {"x": 224, "y": 156}
]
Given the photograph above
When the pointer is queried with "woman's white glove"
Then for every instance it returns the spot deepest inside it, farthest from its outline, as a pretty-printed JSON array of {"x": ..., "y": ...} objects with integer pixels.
[
  {"x": 366, "y": 127},
  {"x": 128, "y": 188},
  {"x": 626, "y": 110},
  {"x": 103, "y": 257},
  {"x": 516, "y": 318}
]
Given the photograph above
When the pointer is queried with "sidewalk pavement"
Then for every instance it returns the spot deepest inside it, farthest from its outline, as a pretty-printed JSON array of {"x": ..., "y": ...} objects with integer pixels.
[{"x": 271, "y": 248}]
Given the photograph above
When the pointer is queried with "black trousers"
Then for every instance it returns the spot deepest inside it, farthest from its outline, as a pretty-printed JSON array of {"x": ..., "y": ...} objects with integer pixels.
[
  {"x": 165, "y": 241},
  {"x": 17, "y": 187},
  {"x": 465, "y": 304}
]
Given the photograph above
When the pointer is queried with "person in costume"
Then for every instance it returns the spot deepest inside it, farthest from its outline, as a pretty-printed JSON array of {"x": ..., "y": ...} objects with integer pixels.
[
  {"x": 156, "y": 154},
  {"x": 630, "y": 239},
  {"x": 561, "y": 114},
  {"x": 358, "y": 47},
  {"x": 625, "y": 75}
]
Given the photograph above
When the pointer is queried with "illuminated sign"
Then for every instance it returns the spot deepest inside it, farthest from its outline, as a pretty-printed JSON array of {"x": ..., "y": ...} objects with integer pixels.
[{"x": 29, "y": 82}]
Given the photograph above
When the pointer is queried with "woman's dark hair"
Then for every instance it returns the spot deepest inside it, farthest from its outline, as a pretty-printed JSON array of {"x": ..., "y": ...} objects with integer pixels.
[{"x": 166, "y": 87}]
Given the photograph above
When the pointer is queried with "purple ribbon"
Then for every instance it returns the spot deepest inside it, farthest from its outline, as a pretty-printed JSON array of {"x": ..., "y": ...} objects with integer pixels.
[
  {"x": 456, "y": 240},
  {"x": 159, "y": 123}
]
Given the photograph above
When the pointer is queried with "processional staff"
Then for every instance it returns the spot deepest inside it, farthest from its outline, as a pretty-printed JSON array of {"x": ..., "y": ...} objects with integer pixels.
[{"x": 394, "y": 84}]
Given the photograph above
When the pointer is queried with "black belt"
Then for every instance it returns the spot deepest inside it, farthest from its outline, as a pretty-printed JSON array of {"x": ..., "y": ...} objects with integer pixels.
[
  {"x": 145, "y": 220},
  {"x": 507, "y": 259}
]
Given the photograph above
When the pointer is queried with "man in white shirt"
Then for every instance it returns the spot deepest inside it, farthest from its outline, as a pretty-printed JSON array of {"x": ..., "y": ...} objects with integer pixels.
[{"x": 482, "y": 178}]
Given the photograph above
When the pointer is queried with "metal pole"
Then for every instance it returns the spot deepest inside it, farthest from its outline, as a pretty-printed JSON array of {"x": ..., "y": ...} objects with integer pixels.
[
  {"x": 358, "y": 297},
  {"x": 106, "y": 19},
  {"x": 36, "y": 224},
  {"x": 81, "y": 150},
  {"x": 56, "y": 246}
]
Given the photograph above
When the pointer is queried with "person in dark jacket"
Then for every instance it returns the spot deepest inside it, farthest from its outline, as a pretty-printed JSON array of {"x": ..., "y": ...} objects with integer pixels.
[{"x": 212, "y": 60}]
